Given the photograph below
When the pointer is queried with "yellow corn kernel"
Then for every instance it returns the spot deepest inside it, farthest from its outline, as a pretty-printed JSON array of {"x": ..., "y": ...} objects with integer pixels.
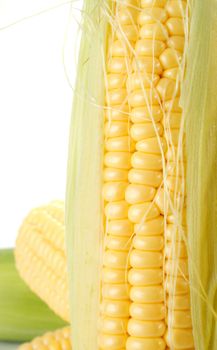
[
  {"x": 176, "y": 8},
  {"x": 116, "y": 210},
  {"x": 175, "y": 154},
  {"x": 146, "y": 329},
  {"x": 113, "y": 174},
  {"x": 149, "y": 243},
  {"x": 112, "y": 342},
  {"x": 172, "y": 219},
  {"x": 114, "y": 191},
  {"x": 118, "y": 65},
  {"x": 116, "y": 97},
  {"x": 138, "y": 81},
  {"x": 122, "y": 144},
  {"x": 113, "y": 276},
  {"x": 139, "y": 193},
  {"x": 115, "y": 81},
  {"x": 117, "y": 113},
  {"x": 177, "y": 286},
  {"x": 175, "y": 183},
  {"x": 179, "y": 302},
  {"x": 152, "y": 15},
  {"x": 180, "y": 338},
  {"x": 134, "y": 343},
  {"x": 119, "y": 48},
  {"x": 110, "y": 325},
  {"x": 115, "y": 292},
  {"x": 177, "y": 267},
  {"x": 180, "y": 319},
  {"x": 125, "y": 15},
  {"x": 153, "y": 227},
  {"x": 119, "y": 160},
  {"x": 155, "y": 31},
  {"x": 145, "y": 177},
  {"x": 140, "y": 212},
  {"x": 173, "y": 105},
  {"x": 118, "y": 243},
  {"x": 172, "y": 233},
  {"x": 143, "y": 259},
  {"x": 113, "y": 308},
  {"x": 159, "y": 200},
  {"x": 170, "y": 58},
  {"x": 147, "y": 294},
  {"x": 120, "y": 228},
  {"x": 176, "y": 42},
  {"x": 175, "y": 26},
  {"x": 142, "y": 131},
  {"x": 128, "y": 31},
  {"x": 145, "y": 277},
  {"x": 173, "y": 120},
  {"x": 168, "y": 89},
  {"x": 146, "y": 161},
  {"x": 147, "y": 64},
  {"x": 116, "y": 129},
  {"x": 149, "y": 48},
  {"x": 113, "y": 259},
  {"x": 147, "y": 312},
  {"x": 146, "y": 114},
  {"x": 171, "y": 73},
  {"x": 179, "y": 247},
  {"x": 153, "y": 145},
  {"x": 140, "y": 98}
]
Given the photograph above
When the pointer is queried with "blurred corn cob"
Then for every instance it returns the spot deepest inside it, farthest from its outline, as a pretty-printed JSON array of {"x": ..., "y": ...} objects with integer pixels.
[
  {"x": 57, "y": 340},
  {"x": 23, "y": 315},
  {"x": 40, "y": 256}
]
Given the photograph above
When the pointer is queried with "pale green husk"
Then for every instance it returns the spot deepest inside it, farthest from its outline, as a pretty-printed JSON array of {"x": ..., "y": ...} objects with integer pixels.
[
  {"x": 23, "y": 315},
  {"x": 199, "y": 102},
  {"x": 84, "y": 226}
]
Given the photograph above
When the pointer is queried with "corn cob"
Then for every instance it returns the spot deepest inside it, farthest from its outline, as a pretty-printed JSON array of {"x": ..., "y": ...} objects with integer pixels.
[
  {"x": 57, "y": 340},
  {"x": 161, "y": 38},
  {"x": 23, "y": 315},
  {"x": 40, "y": 251},
  {"x": 144, "y": 291}
]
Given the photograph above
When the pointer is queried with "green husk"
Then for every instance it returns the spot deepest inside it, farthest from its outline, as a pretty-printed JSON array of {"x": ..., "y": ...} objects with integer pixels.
[
  {"x": 23, "y": 315},
  {"x": 84, "y": 224},
  {"x": 199, "y": 101}
]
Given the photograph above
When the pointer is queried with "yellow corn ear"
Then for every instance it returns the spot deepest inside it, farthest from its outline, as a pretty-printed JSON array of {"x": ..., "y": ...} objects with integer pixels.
[
  {"x": 139, "y": 242},
  {"x": 23, "y": 315},
  {"x": 41, "y": 258}
]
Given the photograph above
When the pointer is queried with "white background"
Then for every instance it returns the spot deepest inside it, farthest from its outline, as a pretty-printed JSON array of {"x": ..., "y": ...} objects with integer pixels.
[{"x": 35, "y": 105}]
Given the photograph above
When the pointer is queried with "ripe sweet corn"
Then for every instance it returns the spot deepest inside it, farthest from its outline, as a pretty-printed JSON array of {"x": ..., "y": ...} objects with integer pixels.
[
  {"x": 40, "y": 250},
  {"x": 159, "y": 35},
  {"x": 23, "y": 315},
  {"x": 141, "y": 288}
]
